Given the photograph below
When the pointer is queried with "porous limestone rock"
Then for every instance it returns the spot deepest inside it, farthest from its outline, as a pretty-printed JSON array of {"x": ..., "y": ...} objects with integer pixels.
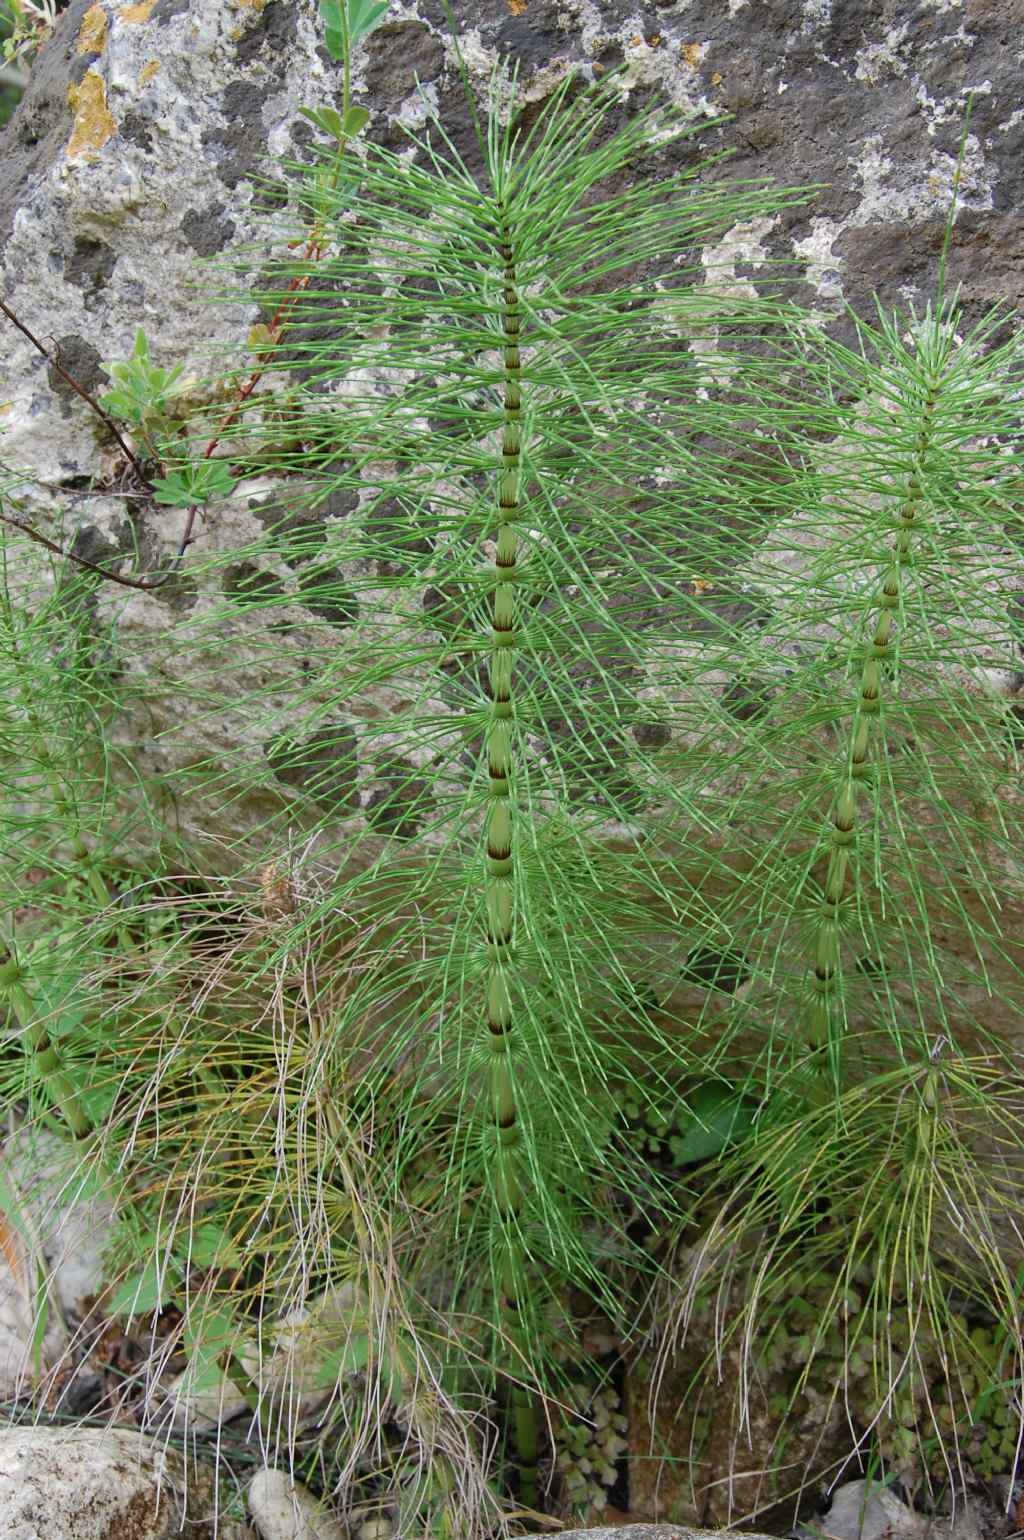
[{"x": 101, "y": 1484}]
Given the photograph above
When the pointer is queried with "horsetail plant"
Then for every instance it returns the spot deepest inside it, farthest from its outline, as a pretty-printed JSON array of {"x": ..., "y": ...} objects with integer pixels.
[
  {"x": 531, "y": 375},
  {"x": 554, "y": 393},
  {"x": 623, "y": 648},
  {"x": 893, "y": 1167}
]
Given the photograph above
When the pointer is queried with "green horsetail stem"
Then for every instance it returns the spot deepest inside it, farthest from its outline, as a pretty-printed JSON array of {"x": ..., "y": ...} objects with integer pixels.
[
  {"x": 858, "y": 770},
  {"x": 505, "y": 1138},
  {"x": 48, "y": 1061}
]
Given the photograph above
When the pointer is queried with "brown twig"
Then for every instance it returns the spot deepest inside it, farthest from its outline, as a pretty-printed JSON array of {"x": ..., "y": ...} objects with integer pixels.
[
  {"x": 275, "y": 328},
  {"x": 104, "y": 572},
  {"x": 79, "y": 390}
]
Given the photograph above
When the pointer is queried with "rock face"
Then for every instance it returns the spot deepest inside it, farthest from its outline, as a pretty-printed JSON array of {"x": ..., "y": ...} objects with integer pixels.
[
  {"x": 129, "y": 160},
  {"x": 90, "y": 1484},
  {"x": 69, "y": 1215}
]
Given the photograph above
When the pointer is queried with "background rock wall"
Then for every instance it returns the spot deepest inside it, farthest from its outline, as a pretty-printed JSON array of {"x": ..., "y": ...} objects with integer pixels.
[{"x": 128, "y": 160}]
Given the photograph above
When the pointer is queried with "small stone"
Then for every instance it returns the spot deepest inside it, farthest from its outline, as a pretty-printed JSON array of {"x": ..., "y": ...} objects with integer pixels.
[
  {"x": 284, "y": 1509},
  {"x": 376, "y": 1529},
  {"x": 866, "y": 1510}
]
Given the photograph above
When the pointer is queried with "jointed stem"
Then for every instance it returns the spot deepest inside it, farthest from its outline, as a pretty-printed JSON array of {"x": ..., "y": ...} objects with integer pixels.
[
  {"x": 858, "y": 770},
  {"x": 504, "y": 1117}
]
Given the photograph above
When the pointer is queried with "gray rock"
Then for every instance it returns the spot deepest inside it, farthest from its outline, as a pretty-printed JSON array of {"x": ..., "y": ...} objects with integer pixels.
[
  {"x": 865, "y": 1510},
  {"x": 100, "y": 1484},
  {"x": 55, "y": 1226},
  {"x": 68, "y": 1210}
]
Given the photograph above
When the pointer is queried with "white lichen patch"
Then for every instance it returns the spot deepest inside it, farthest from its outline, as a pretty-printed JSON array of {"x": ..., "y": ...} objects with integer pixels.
[
  {"x": 742, "y": 243},
  {"x": 822, "y": 267},
  {"x": 951, "y": 110},
  {"x": 816, "y": 14},
  {"x": 915, "y": 192},
  {"x": 877, "y": 61}
]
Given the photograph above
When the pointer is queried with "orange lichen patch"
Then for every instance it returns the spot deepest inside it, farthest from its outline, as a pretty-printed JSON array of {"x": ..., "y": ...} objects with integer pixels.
[
  {"x": 517, "y": 7},
  {"x": 691, "y": 54},
  {"x": 12, "y": 1247},
  {"x": 716, "y": 79},
  {"x": 147, "y": 72},
  {"x": 133, "y": 14},
  {"x": 93, "y": 125},
  {"x": 92, "y": 34},
  {"x": 250, "y": 5}
]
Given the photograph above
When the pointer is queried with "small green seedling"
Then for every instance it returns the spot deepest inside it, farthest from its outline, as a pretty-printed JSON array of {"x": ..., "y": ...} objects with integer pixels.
[{"x": 143, "y": 391}]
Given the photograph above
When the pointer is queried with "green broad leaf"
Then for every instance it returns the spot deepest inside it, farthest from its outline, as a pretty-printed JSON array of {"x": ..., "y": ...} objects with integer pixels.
[
  {"x": 325, "y": 118},
  {"x": 363, "y": 16},
  {"x": 96, "y": 1101},
  {"x": 209, "y": 1334},
  {"x": 717, "y": 1116},
  {"x": 356, "y": 118},
  {"x": 143, "y": 389},
  {"x": 210, "y": 1245},
  {"x": 334, "y": 34},
  {"x": 174, "y": 492},
  {"x": 117, "y": 403},
  {"x": 210, "y": 1329},
  {"x": 143, "y": 1292},
  {"x": 205, "y": 1374},
  {"x": 202, "y": 482}
]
